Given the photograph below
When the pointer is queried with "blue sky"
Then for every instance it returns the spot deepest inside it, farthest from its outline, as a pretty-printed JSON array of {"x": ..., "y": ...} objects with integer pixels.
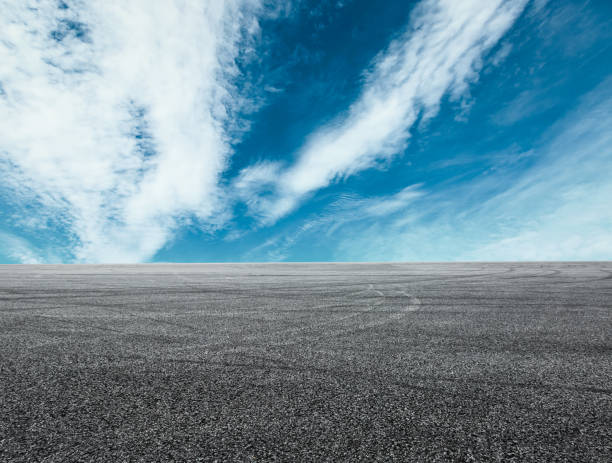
[{"x": 254, "y": 130}]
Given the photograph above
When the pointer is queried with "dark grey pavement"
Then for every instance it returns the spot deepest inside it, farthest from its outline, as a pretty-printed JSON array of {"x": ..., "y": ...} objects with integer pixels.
[{"x": 306, "y": 362}]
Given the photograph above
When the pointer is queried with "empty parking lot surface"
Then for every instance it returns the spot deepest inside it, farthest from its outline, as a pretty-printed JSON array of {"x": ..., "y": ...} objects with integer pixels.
[{"x": 306, "y": 362}]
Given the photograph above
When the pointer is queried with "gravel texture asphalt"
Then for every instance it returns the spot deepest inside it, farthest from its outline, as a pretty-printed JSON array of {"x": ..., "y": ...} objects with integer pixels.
[{"x": 306, "y": 362}]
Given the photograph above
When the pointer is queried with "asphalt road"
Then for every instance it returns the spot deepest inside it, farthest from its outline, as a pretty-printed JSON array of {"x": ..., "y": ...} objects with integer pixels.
[{"x": 306, "y": 362}]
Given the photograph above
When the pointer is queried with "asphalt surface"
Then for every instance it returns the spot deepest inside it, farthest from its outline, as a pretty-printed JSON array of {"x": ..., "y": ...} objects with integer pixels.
[{"x": 306, "y": 362}]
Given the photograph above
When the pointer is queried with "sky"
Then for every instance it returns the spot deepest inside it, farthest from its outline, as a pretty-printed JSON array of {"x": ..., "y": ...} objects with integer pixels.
[{"x": 340, "y": 130}]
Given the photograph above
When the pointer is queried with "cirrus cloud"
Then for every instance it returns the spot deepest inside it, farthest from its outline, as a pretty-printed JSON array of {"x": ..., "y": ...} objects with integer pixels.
[{"x": 439, "y": 54}]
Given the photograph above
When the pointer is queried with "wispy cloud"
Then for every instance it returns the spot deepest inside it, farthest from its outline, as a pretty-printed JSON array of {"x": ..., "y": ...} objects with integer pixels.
[
  {"x": 16, "y": 249},
  {"x": 115, "y": 114},
  {"x": 558, "y": 209},
  {"x": 439, "y": 54},
  {"x": 527, "y": 104},
  {"x": 346, "y": 210},
  {"x": 555, "y": 208}
]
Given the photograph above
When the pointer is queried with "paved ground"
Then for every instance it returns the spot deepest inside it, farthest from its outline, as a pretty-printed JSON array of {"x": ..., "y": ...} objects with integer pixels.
[{"x": 306, "y": 362}]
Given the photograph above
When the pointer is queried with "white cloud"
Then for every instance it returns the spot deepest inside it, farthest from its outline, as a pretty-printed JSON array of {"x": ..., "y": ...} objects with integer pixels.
[
  {"x": 440, "y": 53},
  {"x": 527, "y": 104},
  {"x": 17, "y": 249},
  {"x": 113, "y": 114},
  {"x": 375, "y": 207},
  {"x": 344, "y": 211},
  {"x": 558, "y": 209}
]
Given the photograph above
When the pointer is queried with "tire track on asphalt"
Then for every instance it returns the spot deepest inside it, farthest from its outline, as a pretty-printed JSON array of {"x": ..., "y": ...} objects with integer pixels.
[{"x": 396, "y": 315}]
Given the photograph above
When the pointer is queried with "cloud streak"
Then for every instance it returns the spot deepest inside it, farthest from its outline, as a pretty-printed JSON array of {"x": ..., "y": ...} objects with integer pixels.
[
  {"x": 18, "y": 250},
  {"x": 346, "y": 210},
  {"x": 439, "y": 54},
  {"x": 558, "y": 209},
  {"x": 115, "y": 115},
  {"x": 556, "y": 206}
]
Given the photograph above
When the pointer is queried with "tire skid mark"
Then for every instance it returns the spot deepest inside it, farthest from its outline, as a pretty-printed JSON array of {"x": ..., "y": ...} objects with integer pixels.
[{"x": 391, "y": 316}]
